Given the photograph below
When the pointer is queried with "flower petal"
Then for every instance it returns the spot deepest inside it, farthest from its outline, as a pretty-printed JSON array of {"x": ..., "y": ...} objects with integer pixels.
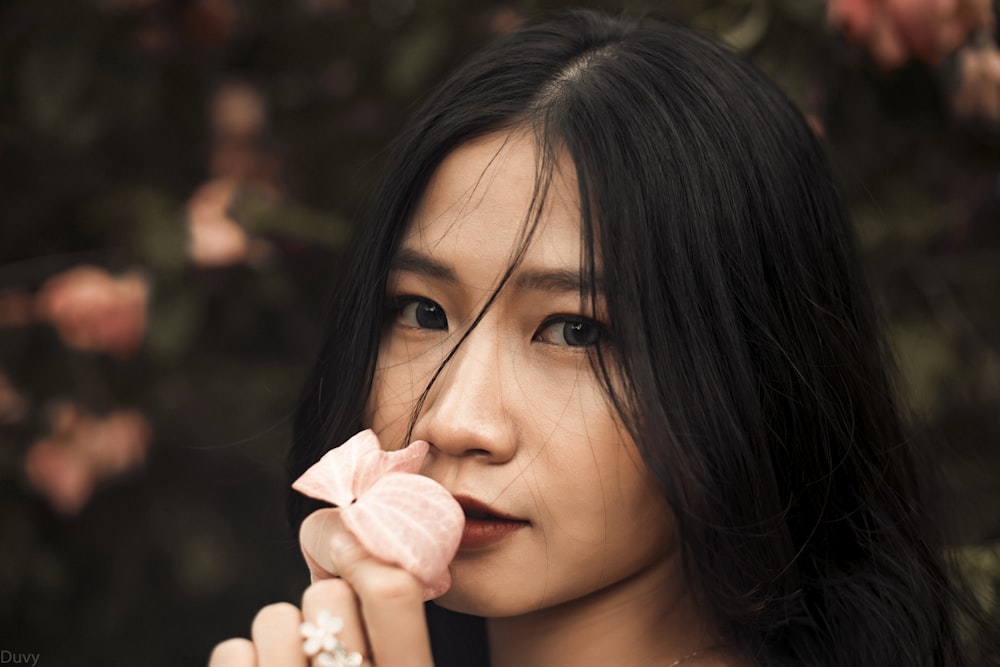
[
  {"x": 345, "y": 472},
  {"x": 411, "y": 521}
]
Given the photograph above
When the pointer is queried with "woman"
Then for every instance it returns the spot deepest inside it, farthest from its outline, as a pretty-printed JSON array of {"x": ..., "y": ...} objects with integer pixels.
[{"x": 609, "y": 279}]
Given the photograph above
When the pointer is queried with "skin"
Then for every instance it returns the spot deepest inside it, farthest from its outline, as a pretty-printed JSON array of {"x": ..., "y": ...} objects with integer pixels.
[{"x": 516, "y": 420}]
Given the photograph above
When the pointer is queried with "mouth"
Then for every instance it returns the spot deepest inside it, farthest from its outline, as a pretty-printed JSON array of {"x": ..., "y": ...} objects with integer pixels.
[
  {"x": 478, "y": 510},
  {"x": 484, "y": 525}
]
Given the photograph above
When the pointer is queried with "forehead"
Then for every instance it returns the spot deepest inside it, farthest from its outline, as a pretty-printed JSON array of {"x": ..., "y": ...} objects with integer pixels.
[{"x": 479, "y": 202}]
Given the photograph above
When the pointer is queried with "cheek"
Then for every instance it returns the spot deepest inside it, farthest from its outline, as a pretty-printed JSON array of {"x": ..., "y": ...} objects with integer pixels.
[
  {"x": 611, "y": 499},
  {"x": 642, "y": 512},
  {"x": 609, "y": 495},
  {"x": 388, "y": 409},
  {"x": 643, "y": 518},
  {"x": 601, "y": 524},
  {"x": 398, "y": 382}
]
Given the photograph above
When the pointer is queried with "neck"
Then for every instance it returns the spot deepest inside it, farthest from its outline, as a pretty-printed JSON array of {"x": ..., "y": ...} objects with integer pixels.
[{"x": 648, "y": 619}]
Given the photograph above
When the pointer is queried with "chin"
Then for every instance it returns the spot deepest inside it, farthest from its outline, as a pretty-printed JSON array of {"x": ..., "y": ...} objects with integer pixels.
[
  {"x": 488, "y": 604},
  {"x": 465, "y": 603}
]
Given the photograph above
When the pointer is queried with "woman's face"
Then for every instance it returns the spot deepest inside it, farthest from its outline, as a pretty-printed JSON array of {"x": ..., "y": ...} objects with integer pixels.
[{"x": 517, "y": 420}]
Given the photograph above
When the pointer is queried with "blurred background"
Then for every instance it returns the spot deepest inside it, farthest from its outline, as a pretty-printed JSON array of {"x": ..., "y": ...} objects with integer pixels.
[{"x": 178, "y": 180}]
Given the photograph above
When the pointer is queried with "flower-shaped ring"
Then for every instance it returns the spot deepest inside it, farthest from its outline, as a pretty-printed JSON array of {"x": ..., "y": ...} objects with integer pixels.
[{"x": 322, "y": 644}]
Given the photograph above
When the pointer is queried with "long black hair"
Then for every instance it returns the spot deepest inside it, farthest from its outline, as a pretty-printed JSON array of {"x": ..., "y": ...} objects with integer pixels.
[{"x": 746, "y": 360}]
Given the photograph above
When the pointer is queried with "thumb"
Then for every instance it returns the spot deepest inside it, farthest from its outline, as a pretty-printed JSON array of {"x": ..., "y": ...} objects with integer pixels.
[{"x": 325, "y": 542}]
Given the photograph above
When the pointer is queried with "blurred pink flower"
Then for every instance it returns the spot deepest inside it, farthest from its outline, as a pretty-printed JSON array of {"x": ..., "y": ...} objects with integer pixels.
[
  {"x": 238, "y": 111},
  {"x": 978, "y": 94},
  {"x": 84, "y": 450},
  {"x": 13, "y": 404},
  {"x": 894, "y": 31},
  {"x": 238, "y": 119},
  {"x": 93, "y": 310},
  {"x": 505, "y": 19},
  {"x": 59, "y": 475},
  {"x": 215, "y": 239}
]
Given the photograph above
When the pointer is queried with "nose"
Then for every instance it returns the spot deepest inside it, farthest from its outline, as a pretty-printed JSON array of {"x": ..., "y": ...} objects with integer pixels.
[{"x": 466, "y": 414}]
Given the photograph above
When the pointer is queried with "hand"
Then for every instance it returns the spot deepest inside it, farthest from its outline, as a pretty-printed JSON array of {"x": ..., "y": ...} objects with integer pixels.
[{"x": 381, "y": 606}]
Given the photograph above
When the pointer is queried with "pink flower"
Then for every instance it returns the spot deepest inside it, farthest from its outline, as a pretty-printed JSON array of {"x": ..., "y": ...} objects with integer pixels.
[
  {"x": 95, "y": 311},
  {"x": 117, "y": 443},
  {"x": 978, "y": 94},
  {"x": 396, "y": 514},
  {"x": 345, "y": 472},
  {"x": 13, "y": 405},
  {"x": 894, "y": 31},
  {"x": 215, "y": 239},
  {"x": 852, "y": 17},
  {"x": 59, "y": 475},
  {"x": 505, "y": 19},
  {"x": 237, "y": 162},
  {"x": 238, "y": 111},
  {"x": 83, "y": 451}
]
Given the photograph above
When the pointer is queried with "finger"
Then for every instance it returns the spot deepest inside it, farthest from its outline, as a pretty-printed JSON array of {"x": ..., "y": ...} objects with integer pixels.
[
  {"x": 391, "y": 603},
  {"x": 391, "y": 599},
  {"x": 316, "y": 573},
  {"x": 237, "y": 652},
  {"x": 275, "y": 633},
  {"x": 335, "y": 597},
  {"x": 314, "y": 539}
]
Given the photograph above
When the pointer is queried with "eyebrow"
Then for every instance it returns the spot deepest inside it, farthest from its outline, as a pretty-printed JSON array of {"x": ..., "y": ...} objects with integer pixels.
[
  {"x": 411, "y": 261},
  {"x": 532, "y": 280}
]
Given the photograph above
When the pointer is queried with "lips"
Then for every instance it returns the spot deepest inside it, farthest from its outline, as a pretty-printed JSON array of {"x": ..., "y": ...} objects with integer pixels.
[{"x": 485, "y": 526}]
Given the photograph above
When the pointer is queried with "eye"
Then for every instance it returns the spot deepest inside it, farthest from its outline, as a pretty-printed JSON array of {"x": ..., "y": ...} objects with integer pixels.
[
  {"x": 569, "y": 332},
  {"x": 419, "y": 313}
]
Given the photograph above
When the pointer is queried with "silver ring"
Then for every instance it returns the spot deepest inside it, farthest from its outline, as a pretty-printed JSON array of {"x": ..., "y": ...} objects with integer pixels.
[{"x": 322, "y": 644}]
